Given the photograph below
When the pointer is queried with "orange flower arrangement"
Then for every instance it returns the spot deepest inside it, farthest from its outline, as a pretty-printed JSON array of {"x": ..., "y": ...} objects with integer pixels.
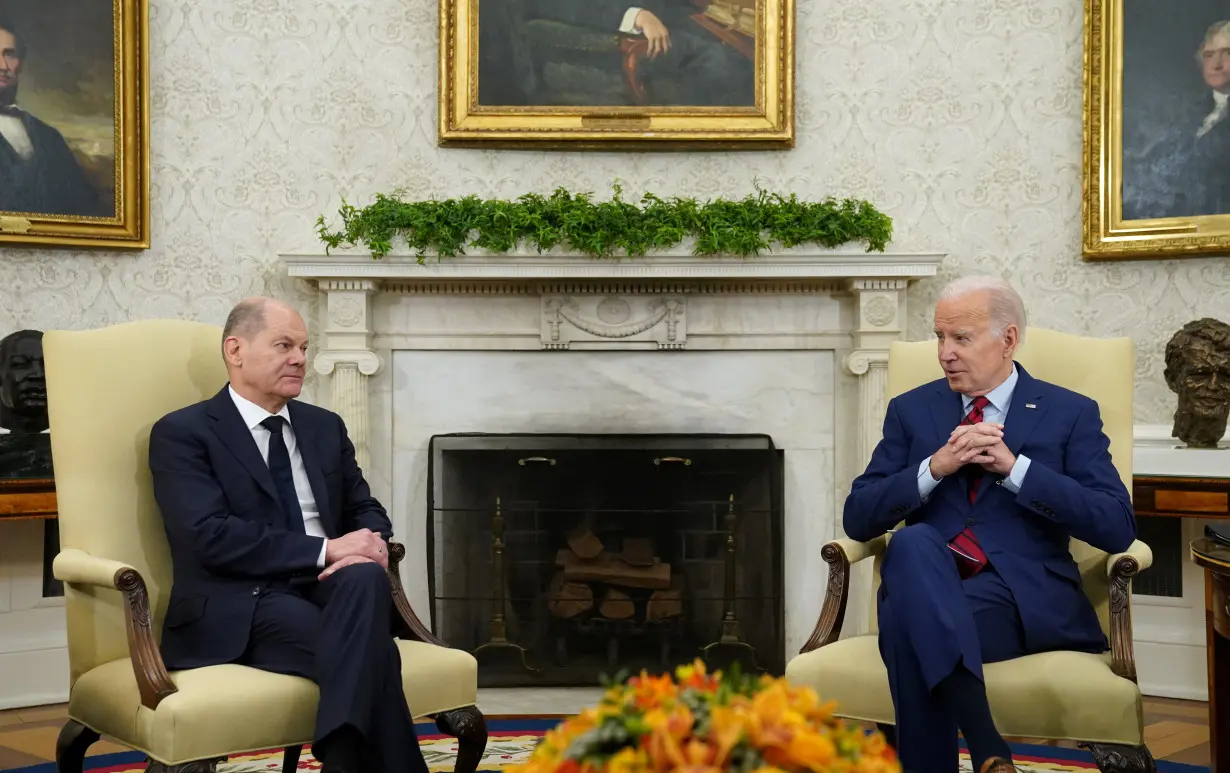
[{"x": 699, "y": 722}]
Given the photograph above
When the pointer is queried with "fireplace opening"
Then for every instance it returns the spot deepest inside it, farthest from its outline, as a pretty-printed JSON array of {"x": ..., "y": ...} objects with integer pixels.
[{"x": 561, "y": 559}]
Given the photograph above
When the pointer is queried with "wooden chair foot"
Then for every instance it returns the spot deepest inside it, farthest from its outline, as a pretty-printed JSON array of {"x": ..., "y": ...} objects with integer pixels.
[
  {"x": 74, "y": 740},
  {"x": 469, "y": 727}
]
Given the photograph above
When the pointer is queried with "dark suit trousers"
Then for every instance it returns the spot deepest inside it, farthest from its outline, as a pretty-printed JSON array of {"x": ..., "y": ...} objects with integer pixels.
[
  {"x": 337, "y": 633},
  {"x": 713, "y": 73},
  {"x": 931, "y": 621}
]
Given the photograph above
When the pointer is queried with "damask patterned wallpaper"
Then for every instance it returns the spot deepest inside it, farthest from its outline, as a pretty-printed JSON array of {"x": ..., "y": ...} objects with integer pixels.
[{"x": 962, "y": 120}]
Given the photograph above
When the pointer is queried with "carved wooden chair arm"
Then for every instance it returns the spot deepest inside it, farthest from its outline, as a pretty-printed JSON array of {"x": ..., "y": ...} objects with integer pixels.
[
  {"x": 839, "y": 554},
  {"x": 76, "y": 567},
  {"x": 414, "y": 627},
  {"x": 1122, "y": 567}
]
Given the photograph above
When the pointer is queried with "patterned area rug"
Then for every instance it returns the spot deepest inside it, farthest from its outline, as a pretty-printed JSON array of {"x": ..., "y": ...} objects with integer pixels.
[{"x": 511, "y": 739}]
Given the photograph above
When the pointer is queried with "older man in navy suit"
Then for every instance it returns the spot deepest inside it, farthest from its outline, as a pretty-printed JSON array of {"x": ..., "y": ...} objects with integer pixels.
[
  {"x": 278, "y": 547},
  {"x": 992, "y": 471}
]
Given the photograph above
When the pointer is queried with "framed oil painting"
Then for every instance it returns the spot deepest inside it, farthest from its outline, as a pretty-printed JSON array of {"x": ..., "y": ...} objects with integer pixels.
[
  {"x": 74, "y": 123},
  {"x": 1157, "y": 129},
  {"x": 605, "y": 74}
]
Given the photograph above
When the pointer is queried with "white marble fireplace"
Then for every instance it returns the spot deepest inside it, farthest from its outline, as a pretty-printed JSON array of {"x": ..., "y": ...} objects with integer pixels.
[{"x": 793, "y": 345}]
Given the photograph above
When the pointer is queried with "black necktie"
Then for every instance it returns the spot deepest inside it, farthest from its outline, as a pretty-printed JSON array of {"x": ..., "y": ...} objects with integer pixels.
[{"x": 283, "y": 478}]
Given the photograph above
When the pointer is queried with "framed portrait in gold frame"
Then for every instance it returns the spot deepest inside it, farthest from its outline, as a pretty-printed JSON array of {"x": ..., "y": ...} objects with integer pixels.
[
  {"x": 1157, "y": 132},
  {"x": 74, "y": 123},
  {"x": 607, "y": 74}
]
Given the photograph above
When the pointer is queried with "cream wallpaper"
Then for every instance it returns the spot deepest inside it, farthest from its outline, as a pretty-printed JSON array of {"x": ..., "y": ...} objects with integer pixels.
[{"x": 960, "y": 119}]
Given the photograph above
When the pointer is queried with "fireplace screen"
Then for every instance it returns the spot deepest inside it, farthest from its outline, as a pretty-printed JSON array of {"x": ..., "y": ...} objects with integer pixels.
[{"x": 560, "y": 559}]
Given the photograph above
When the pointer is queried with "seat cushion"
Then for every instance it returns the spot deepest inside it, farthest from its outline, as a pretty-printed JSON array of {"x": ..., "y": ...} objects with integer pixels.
[
  {"x": 1053, "y": 695},
  {"x": 221, "y": 710}
]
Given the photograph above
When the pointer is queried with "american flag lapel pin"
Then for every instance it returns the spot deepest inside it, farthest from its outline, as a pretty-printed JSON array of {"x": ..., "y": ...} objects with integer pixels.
[{"x": 1030, "y": 405}]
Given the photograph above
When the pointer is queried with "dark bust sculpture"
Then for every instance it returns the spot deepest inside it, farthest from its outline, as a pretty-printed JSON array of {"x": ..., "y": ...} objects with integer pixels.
[
  {"x": 1198, "y": 370},
  {"x": 25, "y": 452},
  {"x": 23, "y": 386}
]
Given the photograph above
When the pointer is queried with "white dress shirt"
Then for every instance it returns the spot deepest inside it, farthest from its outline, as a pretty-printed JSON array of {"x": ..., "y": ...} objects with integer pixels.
[
  {"x": 996, "y": 412},
  {"x": 14, "y": 132},
  {"x": 1215, "y": 117},
  {"x": 253, "y": 415}
]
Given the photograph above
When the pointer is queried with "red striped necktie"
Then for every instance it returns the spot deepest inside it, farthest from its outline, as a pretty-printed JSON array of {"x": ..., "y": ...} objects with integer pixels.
[{"x": 970, "y": 557}]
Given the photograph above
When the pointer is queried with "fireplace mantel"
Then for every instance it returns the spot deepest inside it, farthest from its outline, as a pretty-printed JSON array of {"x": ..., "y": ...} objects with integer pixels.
[{"x": 677, "y": 265}]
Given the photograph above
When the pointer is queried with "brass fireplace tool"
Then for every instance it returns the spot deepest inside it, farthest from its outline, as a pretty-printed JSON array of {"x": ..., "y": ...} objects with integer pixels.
[
  {"x": 730, "y": 621},
  {"x": 499, "y": 627}
]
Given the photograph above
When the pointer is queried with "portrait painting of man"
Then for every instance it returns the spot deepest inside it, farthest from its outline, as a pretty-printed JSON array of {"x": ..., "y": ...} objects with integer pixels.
[
  {"x": 57, "y": 109},
  {"x": 571, "y": 53},
  {"x": 1176, "y": 128},
  {"x": 1156, "y": 155},
  {"x": 617, "y": 74}
]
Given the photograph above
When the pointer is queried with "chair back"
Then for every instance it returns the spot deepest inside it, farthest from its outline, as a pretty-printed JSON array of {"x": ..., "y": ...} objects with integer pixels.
[
  {"x": 1102, "y": 369},
  {"x": 105, "y": 390}
]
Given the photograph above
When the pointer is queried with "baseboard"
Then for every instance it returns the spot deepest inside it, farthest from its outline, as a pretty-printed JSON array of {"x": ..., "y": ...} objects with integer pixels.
[
  {"x": 33, "y": 678},
  {"x": 1172, "y": 670}
]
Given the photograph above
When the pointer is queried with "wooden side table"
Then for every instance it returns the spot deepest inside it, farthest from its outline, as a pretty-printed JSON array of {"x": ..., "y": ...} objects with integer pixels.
[
  {"x": 1214, "y": 558},
  {"x": 27, "y": 498}
]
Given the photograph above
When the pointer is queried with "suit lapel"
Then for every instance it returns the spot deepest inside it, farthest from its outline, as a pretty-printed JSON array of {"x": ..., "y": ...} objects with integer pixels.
[
  {"x": 1024, "y": 412},
  {"x": 947, "y": 414},
  {"x": 305, "y": 439},
  {"x": 235, "y": 435}
]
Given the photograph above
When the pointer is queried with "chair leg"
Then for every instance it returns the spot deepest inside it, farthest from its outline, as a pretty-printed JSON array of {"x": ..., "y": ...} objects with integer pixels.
[
  {"x": 290, "y": 759},
  {"x": 469, "y": 727},
  {"x": 1113, "y": 758},
  {"x": 75, "y": 738}
]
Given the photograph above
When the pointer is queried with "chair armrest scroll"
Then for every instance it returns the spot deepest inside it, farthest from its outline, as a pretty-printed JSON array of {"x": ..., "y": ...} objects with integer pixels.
[
  {"x": 839, "y": 554},
  {"x": 1121, "y": 568},
  {"x": 76, "y": 567},
  {"x": 410, "y": 621}
]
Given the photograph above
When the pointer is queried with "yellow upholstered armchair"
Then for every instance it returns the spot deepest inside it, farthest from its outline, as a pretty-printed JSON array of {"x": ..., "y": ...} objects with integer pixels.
[
  {"x": 1072, "y": 696},
  {"x": 105, "y": 389}
]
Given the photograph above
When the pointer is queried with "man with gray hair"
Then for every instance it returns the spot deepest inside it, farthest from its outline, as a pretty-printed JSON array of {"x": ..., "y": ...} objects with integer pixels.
[
  {"x": 992, "y": 471},
  {"x": 278, "y": 549}
]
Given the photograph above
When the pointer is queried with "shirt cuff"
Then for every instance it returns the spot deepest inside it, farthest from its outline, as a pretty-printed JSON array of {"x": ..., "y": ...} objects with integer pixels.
[
  {"x": 926, "y": 483},
  {"x": 628, "y": 27},
  {"x": 324, "y": 546},
  {"x": 1016, "y": 476}
]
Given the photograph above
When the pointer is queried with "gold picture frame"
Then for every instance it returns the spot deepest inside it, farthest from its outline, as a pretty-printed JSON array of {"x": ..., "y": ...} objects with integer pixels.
[
  {"x": 1148, "y": 189},
  {"x": 78, "y": 139},
  {"x": 580, "y": 74}
]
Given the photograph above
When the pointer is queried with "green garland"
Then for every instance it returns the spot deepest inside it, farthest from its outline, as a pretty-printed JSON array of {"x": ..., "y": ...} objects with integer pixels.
[{"x": 604, "y": 229}]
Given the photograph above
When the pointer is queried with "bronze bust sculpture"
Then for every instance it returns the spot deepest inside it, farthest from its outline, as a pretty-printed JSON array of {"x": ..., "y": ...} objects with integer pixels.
[
  {"x": 1198, "y": 371},
  {"x": 23, "y": 386}
]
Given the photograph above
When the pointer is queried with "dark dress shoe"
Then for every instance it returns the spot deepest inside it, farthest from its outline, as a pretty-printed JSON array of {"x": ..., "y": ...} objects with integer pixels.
[{"x": 998, "y": 765}]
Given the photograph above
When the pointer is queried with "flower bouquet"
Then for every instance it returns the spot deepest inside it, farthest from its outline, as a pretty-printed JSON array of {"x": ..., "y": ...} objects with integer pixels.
[{"x": 699, "y": 722}]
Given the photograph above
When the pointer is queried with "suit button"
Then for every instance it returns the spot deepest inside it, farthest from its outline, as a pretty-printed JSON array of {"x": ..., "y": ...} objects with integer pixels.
[
  {"x": 256, "y": 591},
  {"x": 969, "y": 521}
]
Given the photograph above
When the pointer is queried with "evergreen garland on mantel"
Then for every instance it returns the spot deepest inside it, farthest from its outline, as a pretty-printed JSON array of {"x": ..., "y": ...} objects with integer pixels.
[{"x": 607, "y": 228}]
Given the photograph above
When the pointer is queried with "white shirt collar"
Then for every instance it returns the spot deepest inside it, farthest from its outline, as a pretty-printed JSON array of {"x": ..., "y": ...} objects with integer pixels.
[
  {"x": 1219, "y": 99},
  {"x": 1000, "y": 396},
  {"x": 251, "y": 413}
]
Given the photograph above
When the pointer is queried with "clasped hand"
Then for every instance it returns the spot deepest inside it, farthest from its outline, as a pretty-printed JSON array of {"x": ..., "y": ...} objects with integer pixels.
[
  {"x": 357, "y": 547},
  {"x": 981, "y": 444}
]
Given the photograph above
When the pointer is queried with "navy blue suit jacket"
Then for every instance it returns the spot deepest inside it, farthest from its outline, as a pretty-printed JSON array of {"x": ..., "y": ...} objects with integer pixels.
[
  {"x": 225, "y": 526},
  {"x": 1070, "y": 490}
]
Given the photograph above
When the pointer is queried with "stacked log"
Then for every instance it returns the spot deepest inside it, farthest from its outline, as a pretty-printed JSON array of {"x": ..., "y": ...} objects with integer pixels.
[{"x": 593, "y": 579}]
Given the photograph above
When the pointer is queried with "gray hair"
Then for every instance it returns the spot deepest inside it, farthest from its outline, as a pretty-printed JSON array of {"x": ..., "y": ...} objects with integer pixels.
[
  {"x": 246, "y": 319},
  {"x": 1005, "y": 306},
  {"x": 1215, "y": 29}
]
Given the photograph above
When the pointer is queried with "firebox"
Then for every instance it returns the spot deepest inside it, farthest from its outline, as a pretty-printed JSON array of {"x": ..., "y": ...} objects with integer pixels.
[{"x": 563, "y": 559}]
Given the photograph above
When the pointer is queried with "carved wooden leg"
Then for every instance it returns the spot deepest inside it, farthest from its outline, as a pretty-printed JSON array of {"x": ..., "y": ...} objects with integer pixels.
[
  {"x": 1112, "y": 758},
  {"x": 199, "y": 766},
  {"x": 290, "y": 759},
  {"x": 469, "y": 727},
  {"x": 75, "y": 738}
]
